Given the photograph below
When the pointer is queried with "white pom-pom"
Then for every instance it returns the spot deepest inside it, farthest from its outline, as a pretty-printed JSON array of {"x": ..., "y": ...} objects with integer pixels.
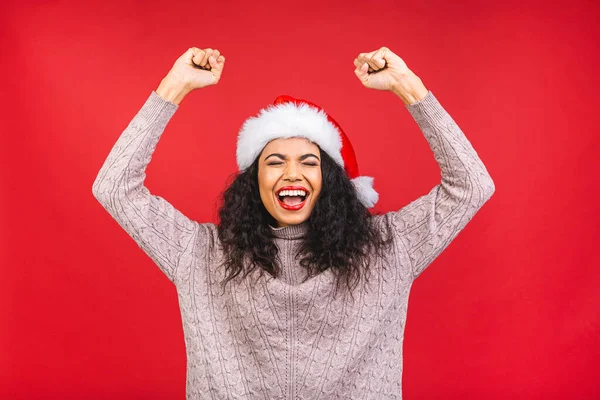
[{"x": 364, "y": 190}]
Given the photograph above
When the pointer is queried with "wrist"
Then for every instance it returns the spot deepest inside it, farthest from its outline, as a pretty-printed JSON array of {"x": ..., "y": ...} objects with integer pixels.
[
  {"x": 172, "y": 89},
  {"x": 410, "y": 89}
]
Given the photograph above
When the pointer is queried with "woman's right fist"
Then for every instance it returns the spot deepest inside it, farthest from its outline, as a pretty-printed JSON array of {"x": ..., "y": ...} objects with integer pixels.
[{"x": 197, "y": 68}]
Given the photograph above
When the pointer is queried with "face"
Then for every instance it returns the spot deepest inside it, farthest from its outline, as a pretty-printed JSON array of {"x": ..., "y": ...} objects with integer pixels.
[{"x": 289, "y": 179}]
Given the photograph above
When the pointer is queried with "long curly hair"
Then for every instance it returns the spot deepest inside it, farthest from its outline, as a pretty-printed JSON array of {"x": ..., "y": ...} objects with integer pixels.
[{"x": 341, "y": 233}]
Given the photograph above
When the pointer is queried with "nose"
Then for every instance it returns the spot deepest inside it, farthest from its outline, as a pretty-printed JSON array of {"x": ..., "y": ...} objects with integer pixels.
[{"x": 291, "y": 172}]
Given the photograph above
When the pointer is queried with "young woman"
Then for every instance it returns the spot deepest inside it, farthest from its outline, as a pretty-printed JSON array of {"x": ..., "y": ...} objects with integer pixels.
[{"x": 299, "y": 292}]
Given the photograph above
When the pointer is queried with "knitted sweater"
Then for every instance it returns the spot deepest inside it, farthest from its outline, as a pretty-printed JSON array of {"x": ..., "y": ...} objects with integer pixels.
[{"x": 280, "y": 338}]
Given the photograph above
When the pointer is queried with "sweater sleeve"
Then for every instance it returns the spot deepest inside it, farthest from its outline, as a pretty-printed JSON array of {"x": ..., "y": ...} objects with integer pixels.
[
  {"x": 159, "y": 229},
  {"x": 427, "y": 225}
]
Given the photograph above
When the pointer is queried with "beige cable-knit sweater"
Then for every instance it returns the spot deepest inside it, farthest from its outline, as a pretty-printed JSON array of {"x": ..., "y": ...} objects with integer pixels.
[{"x": 279, "y": 338}]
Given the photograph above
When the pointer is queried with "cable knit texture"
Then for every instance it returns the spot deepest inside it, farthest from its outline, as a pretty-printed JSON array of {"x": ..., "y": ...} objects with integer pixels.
[{"x": 279, "y": 338}]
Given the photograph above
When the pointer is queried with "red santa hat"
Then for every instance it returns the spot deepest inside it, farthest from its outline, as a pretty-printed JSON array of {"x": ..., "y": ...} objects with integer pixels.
[{"x": 290, "y": 117}]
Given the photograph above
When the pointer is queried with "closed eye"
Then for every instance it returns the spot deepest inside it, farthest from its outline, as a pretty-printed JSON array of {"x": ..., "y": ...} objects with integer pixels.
[{"x": 308, "y": 164}]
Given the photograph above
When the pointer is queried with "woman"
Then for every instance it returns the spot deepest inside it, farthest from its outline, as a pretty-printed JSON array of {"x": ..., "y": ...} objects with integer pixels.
[{"x": 258, "y": 293}]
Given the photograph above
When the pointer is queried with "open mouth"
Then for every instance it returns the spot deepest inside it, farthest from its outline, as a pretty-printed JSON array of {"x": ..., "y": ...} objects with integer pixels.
[{"x": 292, "y": 199}]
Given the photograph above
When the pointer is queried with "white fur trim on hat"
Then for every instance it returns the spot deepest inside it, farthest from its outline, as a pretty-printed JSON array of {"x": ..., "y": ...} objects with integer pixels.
[
  {"x": 364, "y": 190},
  {"x": 287, "y": 120}
]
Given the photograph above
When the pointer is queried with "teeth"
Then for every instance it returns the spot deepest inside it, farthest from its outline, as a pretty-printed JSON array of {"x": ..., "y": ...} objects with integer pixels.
[{"x": 292, "y": 193}]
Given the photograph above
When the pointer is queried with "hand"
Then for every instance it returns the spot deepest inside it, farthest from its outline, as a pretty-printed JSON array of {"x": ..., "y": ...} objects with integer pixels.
[
  {"x": 380, "y": 69},
  {"x": 198, "y": 68},
  {"x": 383, "y": 70}
]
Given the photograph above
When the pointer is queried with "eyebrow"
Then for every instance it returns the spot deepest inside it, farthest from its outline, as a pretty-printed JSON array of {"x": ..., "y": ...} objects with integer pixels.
[{"x": 302, "y": 158}]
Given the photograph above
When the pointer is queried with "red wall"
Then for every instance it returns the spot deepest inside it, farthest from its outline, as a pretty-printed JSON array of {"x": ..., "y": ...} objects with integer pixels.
[{"x": 509, "y": 310}]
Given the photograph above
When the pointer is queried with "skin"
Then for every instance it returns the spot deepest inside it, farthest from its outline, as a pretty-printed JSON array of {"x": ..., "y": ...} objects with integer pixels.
[{"x": 289, "y": 162}]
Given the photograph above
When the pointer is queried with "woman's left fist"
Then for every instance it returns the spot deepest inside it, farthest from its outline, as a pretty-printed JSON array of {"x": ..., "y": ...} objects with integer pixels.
[{"x": 381, "y": 69}]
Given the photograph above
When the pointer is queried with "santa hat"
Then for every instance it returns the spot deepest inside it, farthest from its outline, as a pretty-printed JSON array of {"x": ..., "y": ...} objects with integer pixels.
[{"x": 290, "y": 117}]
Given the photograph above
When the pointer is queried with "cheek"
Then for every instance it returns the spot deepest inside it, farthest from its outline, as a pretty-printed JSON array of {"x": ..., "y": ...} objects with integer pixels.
[
  {"x": 316, "y": 180},
  {"x": 266, "y": 181}
]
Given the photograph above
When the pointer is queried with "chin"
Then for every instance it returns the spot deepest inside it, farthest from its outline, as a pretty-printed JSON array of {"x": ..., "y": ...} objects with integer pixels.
[
  {"x": 296, "y": 220},
  {"x": 285, "y": 217}
]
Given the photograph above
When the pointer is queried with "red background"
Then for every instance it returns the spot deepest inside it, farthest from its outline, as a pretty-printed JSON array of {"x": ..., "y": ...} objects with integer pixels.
[{"x": 509, "y": 310}]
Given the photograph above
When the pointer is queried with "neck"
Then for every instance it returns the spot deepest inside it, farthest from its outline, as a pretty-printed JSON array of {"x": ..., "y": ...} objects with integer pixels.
[{"x": 290, "y": 231}]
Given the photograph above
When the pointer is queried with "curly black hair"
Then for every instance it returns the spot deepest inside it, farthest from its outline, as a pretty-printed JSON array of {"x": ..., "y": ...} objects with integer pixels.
[{"x": 341, "y": 233}]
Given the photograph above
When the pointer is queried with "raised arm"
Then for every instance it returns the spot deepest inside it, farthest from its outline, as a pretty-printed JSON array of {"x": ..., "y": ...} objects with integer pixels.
[
  {"x": 157, "y": 227},
  {"x": 426, "y": 226}
]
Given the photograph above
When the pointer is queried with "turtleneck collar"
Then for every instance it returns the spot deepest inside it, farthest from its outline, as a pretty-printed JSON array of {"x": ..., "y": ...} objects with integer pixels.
[{"x": 290, "y": 231}]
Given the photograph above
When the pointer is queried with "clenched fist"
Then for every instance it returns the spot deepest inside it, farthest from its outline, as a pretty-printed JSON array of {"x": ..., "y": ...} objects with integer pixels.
[
  {"x": 380, "y": 69},
  {"x": 383, "y": 70},
  {"x": 194, "y": 69},
  {"x": 198, "y": 68}
]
